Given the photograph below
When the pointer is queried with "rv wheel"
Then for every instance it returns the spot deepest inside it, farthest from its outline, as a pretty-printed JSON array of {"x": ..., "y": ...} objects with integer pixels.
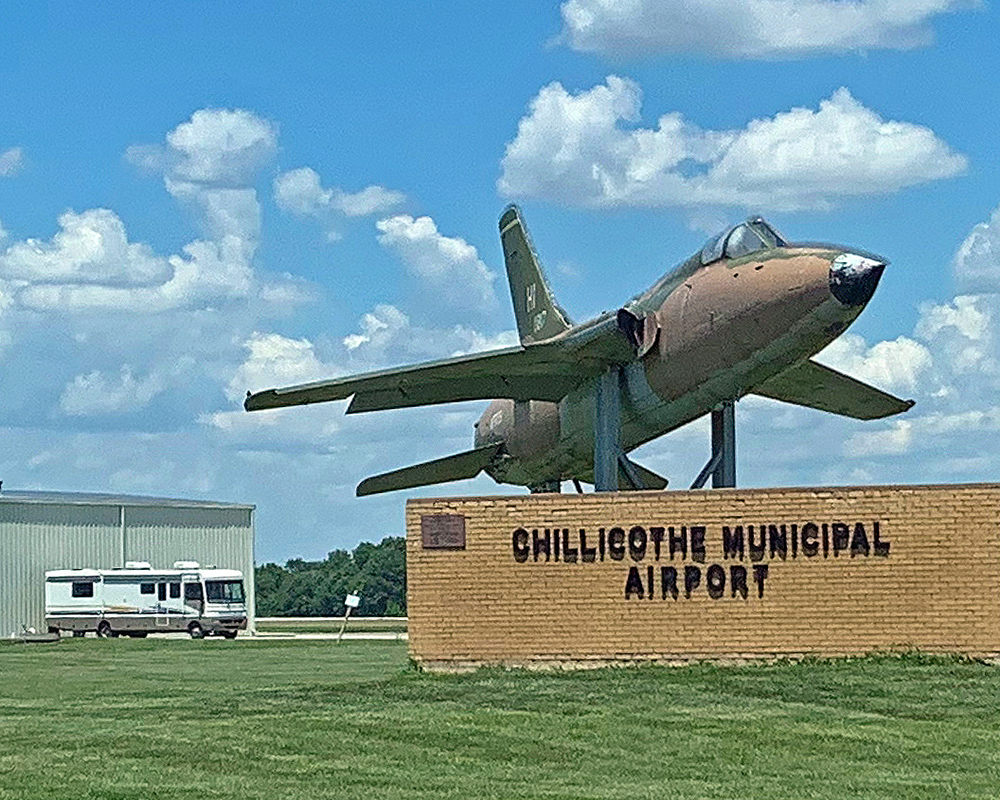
[
  {"x": 104, "y": 629},
  {"x": 195, "y": 630},
  {"x": 229, "y": 634}
]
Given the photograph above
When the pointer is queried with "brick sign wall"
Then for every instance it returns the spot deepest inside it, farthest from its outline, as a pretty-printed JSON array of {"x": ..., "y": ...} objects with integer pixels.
[{"x": 709, "y": 574}]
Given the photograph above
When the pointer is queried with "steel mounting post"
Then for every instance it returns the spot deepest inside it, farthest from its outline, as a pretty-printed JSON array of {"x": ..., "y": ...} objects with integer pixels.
[
  {"x": 607, "y": 430},
  {"x": 722, "y": 465}
]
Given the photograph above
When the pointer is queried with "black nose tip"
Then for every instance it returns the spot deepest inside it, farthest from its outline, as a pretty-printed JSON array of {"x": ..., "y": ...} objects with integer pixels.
[{"x": 853, "y": 278}]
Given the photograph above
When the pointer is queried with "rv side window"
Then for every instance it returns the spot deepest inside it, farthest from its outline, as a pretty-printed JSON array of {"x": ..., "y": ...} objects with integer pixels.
[
  {"x": 175, "y": 590},
  {"x": 192, "y": 591},
  {"x": 162, "y": 593},
  {"x": 83, "y": 589},
  {"x": 147, "y": 588}
]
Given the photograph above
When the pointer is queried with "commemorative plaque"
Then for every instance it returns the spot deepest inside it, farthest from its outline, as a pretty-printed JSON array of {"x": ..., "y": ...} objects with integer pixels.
[{"x": 442, "y": 531}]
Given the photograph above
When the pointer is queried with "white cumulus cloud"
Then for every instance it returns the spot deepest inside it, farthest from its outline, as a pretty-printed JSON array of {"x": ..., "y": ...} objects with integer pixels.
[
  {"x": 11, "y": 161},
  {"x": 206, "y": 272},
  {"x": 894, "y": 440},
  {"x": 99, "y": 393},
  {"x": 388, "y": 334},
  {"x": 962, "y": 336},
  {"x": 370, "y": 200},
  {"x": 90, "y": 248},
  {"x": 896, "y": 365},
  {"x": 219, "y": 147},
  {"x": 977, "y": 262},
  {"x": 449, "y": 265},
  {"x": 378, "y": 327},
  {"x": 210, "y": 162},
  {"x": 965, "y": 315},
  {"x": 300, "y": 192},
  {"x": 954, "y": 371},
  {"x": 274, "y": 360},
  {"x": 766, "y": 29},
  {"x": 577, "y": 149}
]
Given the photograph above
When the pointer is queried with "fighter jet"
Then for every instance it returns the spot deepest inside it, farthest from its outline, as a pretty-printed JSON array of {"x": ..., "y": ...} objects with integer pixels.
[{"x": 742, "y": 316}]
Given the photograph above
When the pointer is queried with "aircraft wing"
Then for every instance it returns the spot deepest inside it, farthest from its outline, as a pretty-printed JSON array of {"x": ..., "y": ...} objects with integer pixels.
[
  {"x": 811, "y": 384},
  {"x": 546, "y": 371}
]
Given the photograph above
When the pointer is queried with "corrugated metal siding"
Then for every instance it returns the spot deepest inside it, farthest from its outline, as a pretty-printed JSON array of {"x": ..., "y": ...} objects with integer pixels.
[{"x": 35, "y": 537}]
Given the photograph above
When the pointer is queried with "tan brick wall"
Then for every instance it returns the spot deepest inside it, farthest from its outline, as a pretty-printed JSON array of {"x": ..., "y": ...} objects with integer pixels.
[{"x": 936, "y": 589}]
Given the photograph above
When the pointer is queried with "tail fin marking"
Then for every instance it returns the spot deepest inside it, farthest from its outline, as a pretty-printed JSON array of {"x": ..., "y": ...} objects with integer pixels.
[{"x": 538, "y": 316}]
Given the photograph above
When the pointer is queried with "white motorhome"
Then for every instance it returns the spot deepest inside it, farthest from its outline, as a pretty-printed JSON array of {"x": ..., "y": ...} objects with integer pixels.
[{"x": 139, "y": 600}]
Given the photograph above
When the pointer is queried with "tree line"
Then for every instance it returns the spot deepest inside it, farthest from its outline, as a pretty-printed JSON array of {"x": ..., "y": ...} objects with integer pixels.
[{"x": 374, "y": 572}]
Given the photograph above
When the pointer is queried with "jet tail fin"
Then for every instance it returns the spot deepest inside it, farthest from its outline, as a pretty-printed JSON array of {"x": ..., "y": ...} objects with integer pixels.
[
  {"x": 538, "y": 316},
  {"x": 450, "y": 468}
]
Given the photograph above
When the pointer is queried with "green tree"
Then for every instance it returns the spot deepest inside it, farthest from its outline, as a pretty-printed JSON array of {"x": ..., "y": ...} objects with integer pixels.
[{"x": 376, "y": 572}]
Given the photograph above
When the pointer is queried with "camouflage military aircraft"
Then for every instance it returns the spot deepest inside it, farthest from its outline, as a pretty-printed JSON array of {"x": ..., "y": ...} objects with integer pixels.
[{"x": 741, "y": 316}]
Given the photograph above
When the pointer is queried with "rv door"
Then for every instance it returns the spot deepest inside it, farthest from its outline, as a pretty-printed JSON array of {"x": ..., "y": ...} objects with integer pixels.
[{"x": 194, "y": 597}]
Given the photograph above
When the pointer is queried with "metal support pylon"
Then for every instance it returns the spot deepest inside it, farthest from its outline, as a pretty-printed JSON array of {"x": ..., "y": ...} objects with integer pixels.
[
  {"x": 722, "y": 465},
  {"x": 607, "y": 431},
  {"x": 724, "y": 442}
]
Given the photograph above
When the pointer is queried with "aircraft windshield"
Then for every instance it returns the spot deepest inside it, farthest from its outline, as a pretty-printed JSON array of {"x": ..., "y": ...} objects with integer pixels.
[
  {"x": 224, "y": 591},
  {"x": 748, "y": 237}
]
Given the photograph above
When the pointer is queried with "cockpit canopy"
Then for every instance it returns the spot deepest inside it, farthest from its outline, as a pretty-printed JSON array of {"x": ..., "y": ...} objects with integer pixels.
[{"x": 747, "y": 237}]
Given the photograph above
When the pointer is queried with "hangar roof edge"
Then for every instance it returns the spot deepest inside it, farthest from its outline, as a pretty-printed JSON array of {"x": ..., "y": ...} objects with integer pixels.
[{"x": 99, "y": 499}]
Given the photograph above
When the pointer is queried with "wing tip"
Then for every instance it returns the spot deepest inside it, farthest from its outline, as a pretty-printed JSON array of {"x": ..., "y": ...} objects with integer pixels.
[
  {"x": 510, "y": 213},
  {"x": 255, "y": 402},
  {"x": 903, "y": 407}
]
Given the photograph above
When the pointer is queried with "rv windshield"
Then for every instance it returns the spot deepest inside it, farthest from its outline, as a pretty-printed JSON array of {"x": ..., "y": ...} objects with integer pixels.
[{"x": 224, "y": 591}]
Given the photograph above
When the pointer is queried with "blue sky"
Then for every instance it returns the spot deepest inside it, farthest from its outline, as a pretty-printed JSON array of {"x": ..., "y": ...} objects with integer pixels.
[{"x": 231, "y": 196}]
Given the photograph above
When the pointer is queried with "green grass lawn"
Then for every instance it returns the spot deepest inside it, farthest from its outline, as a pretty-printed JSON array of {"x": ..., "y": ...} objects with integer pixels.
[{"x": 304, "y": 719}]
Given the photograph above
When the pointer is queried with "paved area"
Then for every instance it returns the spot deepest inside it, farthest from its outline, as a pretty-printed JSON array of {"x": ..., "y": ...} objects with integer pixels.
[
  {"x": 400, "y": 636},
  {"x": 389, "y": 636}
]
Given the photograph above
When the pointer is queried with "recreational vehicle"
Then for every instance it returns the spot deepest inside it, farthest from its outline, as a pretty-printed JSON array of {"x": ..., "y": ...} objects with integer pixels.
[{"x": 139, "y": 600}]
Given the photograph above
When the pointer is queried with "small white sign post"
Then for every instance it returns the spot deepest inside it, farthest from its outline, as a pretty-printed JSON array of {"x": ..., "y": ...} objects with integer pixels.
[{"x": 351, "y": 601}]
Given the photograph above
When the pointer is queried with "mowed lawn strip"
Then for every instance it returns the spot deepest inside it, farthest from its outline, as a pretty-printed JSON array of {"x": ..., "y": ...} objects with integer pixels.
[
  {"x": 304, "y": 719},
  {"x": 333, "y": 625}
]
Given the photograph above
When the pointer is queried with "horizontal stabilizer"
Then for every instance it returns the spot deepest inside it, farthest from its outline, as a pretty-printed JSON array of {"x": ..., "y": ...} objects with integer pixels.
[
  {"x": 811, "y": 384},
  {"x": 634, "y": 476},
  {"x": 450, "y": 468}
]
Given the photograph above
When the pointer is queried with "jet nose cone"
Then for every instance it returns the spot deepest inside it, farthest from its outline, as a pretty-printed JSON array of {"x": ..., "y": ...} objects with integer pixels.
[{"x": 853, "y": 278}]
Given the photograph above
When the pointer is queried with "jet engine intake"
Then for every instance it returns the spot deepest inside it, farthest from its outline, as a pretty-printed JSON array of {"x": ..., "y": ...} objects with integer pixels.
[{"x": 641, "y": 332}]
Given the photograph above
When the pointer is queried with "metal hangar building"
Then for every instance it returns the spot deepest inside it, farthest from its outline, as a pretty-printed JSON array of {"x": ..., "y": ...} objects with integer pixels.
[{"x": 42, "y": 531}]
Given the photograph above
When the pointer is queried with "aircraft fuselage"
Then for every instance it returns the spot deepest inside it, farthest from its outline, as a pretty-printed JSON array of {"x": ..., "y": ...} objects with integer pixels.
[{"x": 720, "y": 330}]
